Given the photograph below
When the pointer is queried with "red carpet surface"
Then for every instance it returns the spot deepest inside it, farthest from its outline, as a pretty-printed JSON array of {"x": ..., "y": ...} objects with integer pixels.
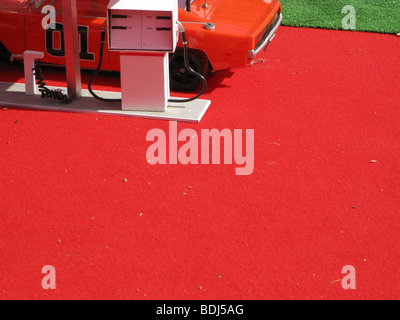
[{"x": 78, "y": 193}]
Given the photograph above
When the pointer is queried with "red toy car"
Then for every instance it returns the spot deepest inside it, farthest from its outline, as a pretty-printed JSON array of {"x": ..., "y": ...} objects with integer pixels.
[{"x": 221, "y": 34}]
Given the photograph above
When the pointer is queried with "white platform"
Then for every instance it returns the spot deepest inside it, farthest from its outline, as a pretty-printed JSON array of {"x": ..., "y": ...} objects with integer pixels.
[{"x": 13, "y": 95}]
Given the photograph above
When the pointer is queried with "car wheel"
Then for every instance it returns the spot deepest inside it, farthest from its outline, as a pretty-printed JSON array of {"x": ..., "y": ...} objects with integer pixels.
[
  {"x": 4, "y": 53},
  {"x": 180, "y": 78}
]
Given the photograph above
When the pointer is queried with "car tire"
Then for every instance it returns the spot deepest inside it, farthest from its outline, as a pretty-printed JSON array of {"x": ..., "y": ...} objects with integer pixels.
[
  {"x": 180, "y": 78},
  {"x": 4, "y": 53}
]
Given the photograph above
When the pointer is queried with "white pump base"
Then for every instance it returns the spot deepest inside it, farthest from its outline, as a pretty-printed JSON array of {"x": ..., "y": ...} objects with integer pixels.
[{"x": 145, "y": 81}]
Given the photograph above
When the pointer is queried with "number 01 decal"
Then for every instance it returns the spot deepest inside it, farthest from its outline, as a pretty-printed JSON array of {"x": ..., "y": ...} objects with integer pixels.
[{"x": 60, "y": 52}]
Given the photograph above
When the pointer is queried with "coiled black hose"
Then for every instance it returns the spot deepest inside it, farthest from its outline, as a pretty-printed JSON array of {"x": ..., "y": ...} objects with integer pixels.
[{"x": 46, "y": 92}]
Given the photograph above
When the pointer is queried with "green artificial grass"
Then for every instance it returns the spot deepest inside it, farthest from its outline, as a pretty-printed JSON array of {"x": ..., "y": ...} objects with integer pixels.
[{"x": 371, "y": 15}]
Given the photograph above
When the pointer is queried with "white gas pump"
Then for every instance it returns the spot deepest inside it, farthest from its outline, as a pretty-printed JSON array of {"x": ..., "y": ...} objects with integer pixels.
[{"x": 144, "y": 32}]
